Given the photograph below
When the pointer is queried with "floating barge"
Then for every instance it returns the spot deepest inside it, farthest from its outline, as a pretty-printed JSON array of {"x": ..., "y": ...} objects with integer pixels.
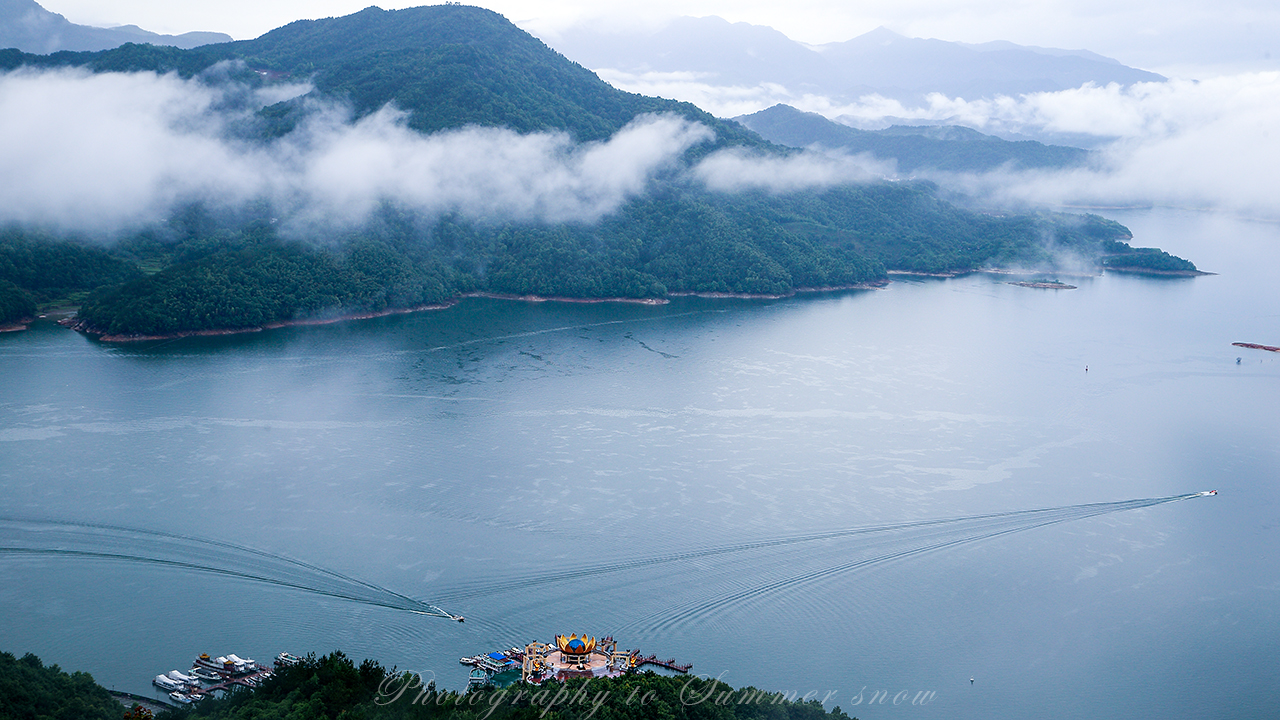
[{"x": 573, "y": 656}]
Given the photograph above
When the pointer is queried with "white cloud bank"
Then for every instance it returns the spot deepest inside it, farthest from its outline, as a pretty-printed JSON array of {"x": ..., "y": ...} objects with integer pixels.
[
  {"x": 733, "y": 169},
  {"x": 92, "y": 151},
  {"x": 105, "y": 151},
  {"x": 1212, "y": 143},
  {"x": 1208, "y": 143}
]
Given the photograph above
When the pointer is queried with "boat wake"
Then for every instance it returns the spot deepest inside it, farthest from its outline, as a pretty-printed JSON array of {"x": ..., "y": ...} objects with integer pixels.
[
  {"x": 67, "y": 540},
  {"x": 838, "y": 552},
  {"x": 759, "y": 569},
  {"x": 901, "y": 542}
]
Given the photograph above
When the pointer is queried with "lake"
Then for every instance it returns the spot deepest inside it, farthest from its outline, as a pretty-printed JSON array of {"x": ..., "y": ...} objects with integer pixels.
[{"x": 798, "y": 494}]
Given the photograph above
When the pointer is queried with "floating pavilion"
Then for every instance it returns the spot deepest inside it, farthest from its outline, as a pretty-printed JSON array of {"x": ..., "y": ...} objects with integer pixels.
[{"x": 572, "y": 656}]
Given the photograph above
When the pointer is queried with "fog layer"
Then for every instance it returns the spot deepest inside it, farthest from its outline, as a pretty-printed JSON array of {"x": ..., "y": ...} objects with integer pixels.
[
  {"x": 105, "y": 151},
  {"x": 99, "y": 151},
  {"x": 1205, "y": 143}
]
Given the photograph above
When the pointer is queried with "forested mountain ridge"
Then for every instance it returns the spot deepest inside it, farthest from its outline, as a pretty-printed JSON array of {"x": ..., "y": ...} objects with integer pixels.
[
  {"x": 446, "y": 65},
  {"x": 931, "y": 147},
  {"x": 210, "y": 266}
]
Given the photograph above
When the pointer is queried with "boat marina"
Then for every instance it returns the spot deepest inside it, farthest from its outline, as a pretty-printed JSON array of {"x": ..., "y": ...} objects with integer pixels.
[{"x": 213, "y": 674}]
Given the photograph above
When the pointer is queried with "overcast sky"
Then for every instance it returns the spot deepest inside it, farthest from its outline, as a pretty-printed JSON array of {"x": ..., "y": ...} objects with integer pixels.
[{"x": 1175, "y": 37}]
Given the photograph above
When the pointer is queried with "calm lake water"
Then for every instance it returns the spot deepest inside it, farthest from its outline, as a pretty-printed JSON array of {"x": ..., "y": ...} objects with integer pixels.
[{"x": 554, "y": 468}]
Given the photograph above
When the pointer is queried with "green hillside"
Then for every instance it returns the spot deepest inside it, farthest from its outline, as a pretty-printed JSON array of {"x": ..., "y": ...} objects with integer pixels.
[
  {"x": 446, "y": 65},
  {"x": 29, "y": 689},
  {"x": 949, "y": 148},
  {"x": 210, "y": 267}
]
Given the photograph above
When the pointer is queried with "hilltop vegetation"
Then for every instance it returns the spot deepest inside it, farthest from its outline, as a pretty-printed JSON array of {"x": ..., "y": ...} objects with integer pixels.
[
  {"x": 38, "y": 269},
  {"x": 686, "y": 241},
  {"x": 208, "y": 266},
  {"x": 28, "y": 689}
]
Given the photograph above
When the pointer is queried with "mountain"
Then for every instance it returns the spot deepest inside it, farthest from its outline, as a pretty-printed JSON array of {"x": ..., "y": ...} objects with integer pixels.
[
  {"x": 885, "y": 59},
  {"x": 711, "y": 48},
  {"x": 722, "y": 54},
  {"x": 213, "y": 267},
  {"x": 948, "y": 148},
  {"x": 447, "y": 66},
  {"x": 27, "y": 26}
]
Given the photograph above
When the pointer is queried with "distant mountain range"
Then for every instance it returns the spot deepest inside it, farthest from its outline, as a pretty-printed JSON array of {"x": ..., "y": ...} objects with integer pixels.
[
  {"x": 27, "y": 26},
  {"x": 881, "y": 61},
  {"x": 949, "y": 148}
]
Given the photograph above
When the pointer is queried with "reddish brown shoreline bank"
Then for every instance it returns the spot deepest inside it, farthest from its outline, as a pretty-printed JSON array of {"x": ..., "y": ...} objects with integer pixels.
[
  {"x": 1045, "y": 285},
  {"x": 83, "y": 327},
  {"x": 1256, "y": 346},
  {"x": 873, "y": 285},
  {"x": 946, "y": 274}
]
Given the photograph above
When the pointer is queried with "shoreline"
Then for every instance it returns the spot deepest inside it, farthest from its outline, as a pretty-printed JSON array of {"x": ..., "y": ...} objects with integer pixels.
[
  {"x": 1044, "y": 285},
  {"x": 82, "y": 327},
  {"x": 945, "y": 274},
  {"x": 15, "y": 327},
  {"x": 1163, "y": 273},
  {"x": 1101, "y": 270},
  {"x": 560, "y": 298},
  {"x": 871, "y": 285}
]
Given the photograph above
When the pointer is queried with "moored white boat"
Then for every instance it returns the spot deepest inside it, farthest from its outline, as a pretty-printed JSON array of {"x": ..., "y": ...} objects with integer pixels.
[{"x": 164, "y": 682}]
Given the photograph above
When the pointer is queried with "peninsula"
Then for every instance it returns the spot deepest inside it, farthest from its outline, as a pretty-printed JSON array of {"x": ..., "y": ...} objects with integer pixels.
[{"x": 212, "y": 267}]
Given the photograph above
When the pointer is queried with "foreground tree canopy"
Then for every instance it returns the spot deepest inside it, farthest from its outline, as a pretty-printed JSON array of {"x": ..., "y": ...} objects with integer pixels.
[{"x": 28, "y": 689}]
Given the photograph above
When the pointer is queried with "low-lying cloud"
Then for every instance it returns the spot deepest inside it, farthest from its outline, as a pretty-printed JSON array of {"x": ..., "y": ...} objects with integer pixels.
[
  {"x": 734, "y": 169},
  {"x": 95, "y": 151},
  {"x": 1210, "y": 144},
  {"x": 1206, "y": 143},
  {"x": 106, "y": 151}
]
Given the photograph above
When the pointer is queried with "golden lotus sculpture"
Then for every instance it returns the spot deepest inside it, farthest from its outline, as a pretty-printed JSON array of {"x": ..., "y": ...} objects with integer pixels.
[{"x": 575, "y": 645}]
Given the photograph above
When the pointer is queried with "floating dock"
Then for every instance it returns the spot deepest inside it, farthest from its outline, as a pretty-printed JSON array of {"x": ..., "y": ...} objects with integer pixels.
[
  {"x": 209, "y": 675},
  {"x": 572, "y": 656}
]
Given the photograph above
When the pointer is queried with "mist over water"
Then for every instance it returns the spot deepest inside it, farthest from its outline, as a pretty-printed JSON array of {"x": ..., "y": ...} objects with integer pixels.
[{"x": 511, "y": 462}]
